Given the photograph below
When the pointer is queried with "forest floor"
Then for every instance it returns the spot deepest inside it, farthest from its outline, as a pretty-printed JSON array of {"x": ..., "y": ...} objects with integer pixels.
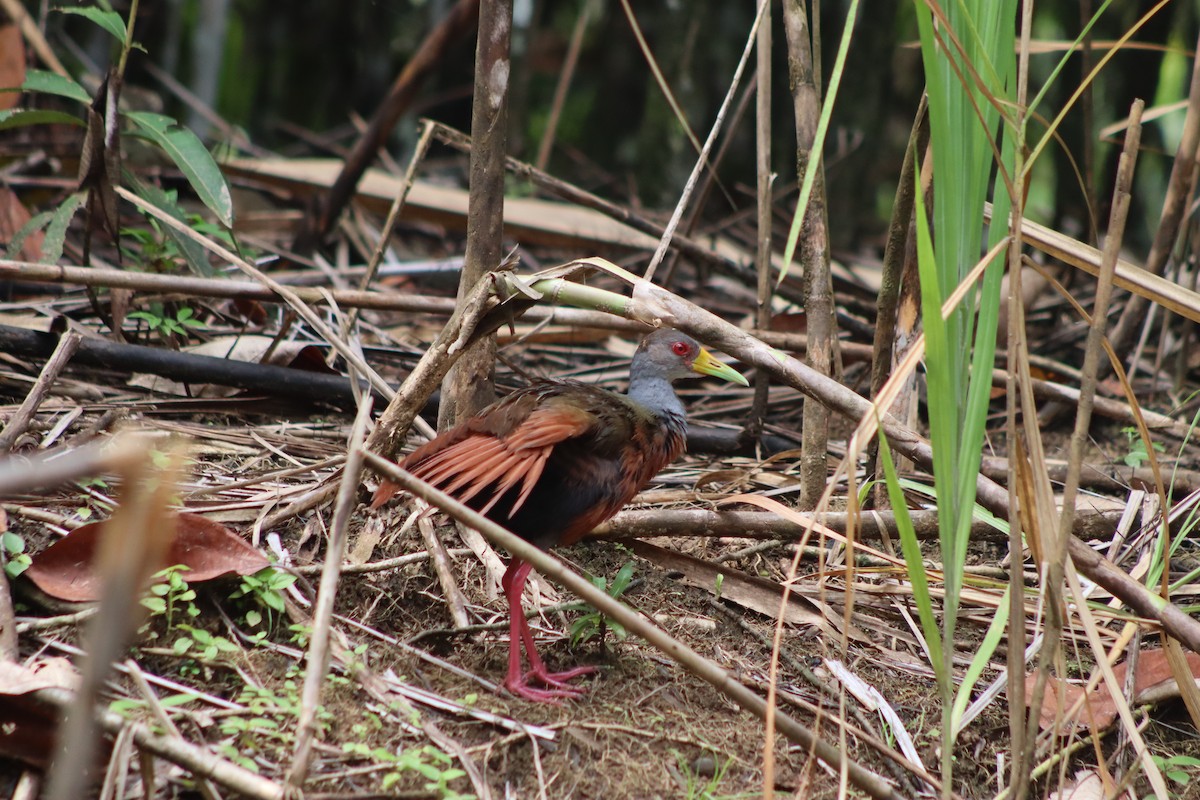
[{"x": 412, "y": 706}]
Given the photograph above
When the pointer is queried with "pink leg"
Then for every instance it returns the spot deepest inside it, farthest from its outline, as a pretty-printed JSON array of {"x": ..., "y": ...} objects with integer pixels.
[{"x": 517, "y": 682}]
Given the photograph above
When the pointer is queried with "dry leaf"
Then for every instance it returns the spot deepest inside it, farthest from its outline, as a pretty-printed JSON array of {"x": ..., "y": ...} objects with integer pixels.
[
  {"x": 14, "y": 216},
  {"x": 12, "y": 64},
  {"x": 1087, "y": 786},
  {"x": 1154, "y": 683},
  {"x": 209, "y": 550},
  {"x": 28, "y": 727}
]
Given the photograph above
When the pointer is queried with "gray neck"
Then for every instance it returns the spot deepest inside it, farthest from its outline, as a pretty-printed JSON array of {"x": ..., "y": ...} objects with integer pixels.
[{"x": 655, "y": 394}]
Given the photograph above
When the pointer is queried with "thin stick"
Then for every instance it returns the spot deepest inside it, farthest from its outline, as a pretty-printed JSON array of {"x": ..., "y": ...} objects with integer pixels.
[
  {"x": 677, "y": 214},
  {"x": 564, "y": 83},
  {"x": 318, "y": 647},
  {"x": 393, "y": 215},
  {"x": 19, "y": 421},
  {"x": 762, "y": 142}
]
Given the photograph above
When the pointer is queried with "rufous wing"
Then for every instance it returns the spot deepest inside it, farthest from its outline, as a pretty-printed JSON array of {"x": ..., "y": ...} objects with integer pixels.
[{"x": 465, "y": 462}]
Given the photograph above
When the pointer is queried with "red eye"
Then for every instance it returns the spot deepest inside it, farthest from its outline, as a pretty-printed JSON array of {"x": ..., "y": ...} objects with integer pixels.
[{"x": 680, "y": 349}]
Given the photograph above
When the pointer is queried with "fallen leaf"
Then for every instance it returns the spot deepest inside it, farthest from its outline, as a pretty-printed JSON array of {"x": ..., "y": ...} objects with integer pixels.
[
  {"x": 1153, "y": 683},
  {"x": 12, "y": 64},
  {"x": 28, "y": 727},
  {"x": 13, "y": 217},
  {"x": 1087, "y": 786},
  {"x": 209, "y": 550}
]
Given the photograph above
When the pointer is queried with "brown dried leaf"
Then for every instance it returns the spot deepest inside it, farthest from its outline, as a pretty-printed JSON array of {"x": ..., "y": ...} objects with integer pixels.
[
  {"x": 1153, "y": 683},
  {"x": 49, "y": 673},
  {"x": 209, "y": 550},
  {"x": 14, "y": 216},
  {"x": 28, "y": 727},
  {"x": 12, "y": 64}
]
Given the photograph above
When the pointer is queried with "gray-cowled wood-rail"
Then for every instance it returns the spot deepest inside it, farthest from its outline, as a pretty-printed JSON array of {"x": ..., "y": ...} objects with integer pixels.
[{"x": 554, "y": 460}]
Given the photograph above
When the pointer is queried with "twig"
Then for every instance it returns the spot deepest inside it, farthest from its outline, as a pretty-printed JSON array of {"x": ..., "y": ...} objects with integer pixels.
[
  {"x": 702, "y": 161},
  {"x": 457, "y": 22},
  {"x": 389, "y": 224},
  {"x": 136, "y": 537},
  {"x": 564, "y": 83},
  {"x": 644, "y": 524},
  {"x": 318, "y": 647},
  {"x": 195, "y": 759},
  {"x": 893, "y": 266},
  {"x": 1175, "y": 205},
  {"x": 441, "y": 565},
  {"x": 766, "y": 205},
  {"x": 19, "y": 421}
]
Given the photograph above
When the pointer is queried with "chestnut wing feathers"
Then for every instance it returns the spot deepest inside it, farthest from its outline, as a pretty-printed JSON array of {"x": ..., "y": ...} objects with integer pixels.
[{"x": 550, "y": 462}]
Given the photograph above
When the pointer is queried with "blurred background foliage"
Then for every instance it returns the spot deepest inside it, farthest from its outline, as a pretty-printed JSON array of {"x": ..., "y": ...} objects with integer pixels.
[{"x": 292, "y": 75}]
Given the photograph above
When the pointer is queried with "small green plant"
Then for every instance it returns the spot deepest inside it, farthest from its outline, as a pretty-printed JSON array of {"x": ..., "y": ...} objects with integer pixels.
[
  {"x": 264, "y": 589},
  {"x": 593, "y": 622},
  {"x": 1137, "y": 454},
  {"x": 697, "y": 786},
  {"x": 171, "y": 596},
  {"x": 428, "y": 761},
  {"x": 1180, "y": 769},
  {"x": 16, "y": 560},
  {"x": 201, "y": 644},
  {"x": 169, "y": 323},
  {"x": 266, "y": 728}
]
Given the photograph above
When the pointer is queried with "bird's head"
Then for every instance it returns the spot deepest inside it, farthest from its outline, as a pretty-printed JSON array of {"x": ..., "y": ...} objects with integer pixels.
[{"x": 676, "y": 355}]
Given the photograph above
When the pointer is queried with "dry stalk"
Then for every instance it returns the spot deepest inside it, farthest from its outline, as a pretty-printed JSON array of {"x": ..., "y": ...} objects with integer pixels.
[
  {"x": 1175, "y": 204},
  {"x": 893, "y": 266},
  {"x": 762, "y": 144},
  {"x": 701, "y": 162},
  {"x": 389, "y": 224},
  {"x": 469, "y": 385},
  {"x": 19, "y": 421},
  {"x": 812, "y": 247},
  {"x": 452, "y": 593},
  {"x": 136, "y": 538},
  {"x": 318, "y": 648}
]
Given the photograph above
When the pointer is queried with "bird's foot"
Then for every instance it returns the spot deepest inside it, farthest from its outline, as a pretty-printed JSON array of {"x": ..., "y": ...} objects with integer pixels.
[{"x": 556, "y": 686}]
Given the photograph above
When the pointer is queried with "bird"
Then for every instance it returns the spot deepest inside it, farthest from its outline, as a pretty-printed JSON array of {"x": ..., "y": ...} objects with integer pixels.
[{"x": 555, "y": 459}]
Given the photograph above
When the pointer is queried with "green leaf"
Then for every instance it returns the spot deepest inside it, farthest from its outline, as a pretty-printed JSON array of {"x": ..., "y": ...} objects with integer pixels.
[
  {"x": 56, "y": 231},
  {"x": 44, "y": 82},
  {"x": 192, "y": 158},
  {"x": 622, "y": 580},
  {"x": 13, "y": 543},
  {"x": 110, "y": 21},
  {"x": 195, "y": 255},
  {"x": 35, "y": 224},
  {"x": 21, "y": 117}
]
